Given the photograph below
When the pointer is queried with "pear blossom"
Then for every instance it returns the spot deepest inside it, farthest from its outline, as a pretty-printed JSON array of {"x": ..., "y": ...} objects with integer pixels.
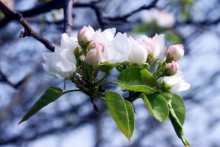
[
  {"x": 175, "y": 52},
  {"x": 94, "y": 56},
  {"x": 61, "y": 62},
  {"x": 118, "y": 50},
  {"x": 161, "y": 17},
  {"x": 172, "y": 68},
  {"x": 68, "y": 42},
  {"x": 115, "y": 47},
  {"x": 155, "y": 45},
  {"x": 86, "y": 34},
  {"x": 104, "y": 37},
  {"x": 138, "y": 54},
  {"x": 176, "y": 83}
]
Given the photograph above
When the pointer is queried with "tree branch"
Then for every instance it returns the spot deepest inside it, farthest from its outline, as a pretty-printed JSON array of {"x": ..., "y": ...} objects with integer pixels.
[
  {"x": 124, "y": 17},
  {"x": 68, "y": 7},
  {"x": 28, "y": 31}
]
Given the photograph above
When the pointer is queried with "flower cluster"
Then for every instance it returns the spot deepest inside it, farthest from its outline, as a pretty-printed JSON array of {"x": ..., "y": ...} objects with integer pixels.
[
  {"x": 95, "y": 47},
  {"x": 147, "y": 70},
  {"x": 161, "y": 18}
]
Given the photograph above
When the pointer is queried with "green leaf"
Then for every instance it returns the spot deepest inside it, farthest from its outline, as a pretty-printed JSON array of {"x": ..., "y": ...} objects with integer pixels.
[
  {"x": 121, "y": 111},
  {"x": 166, "y": 95},
  {"x": 106, "y": 67},
  {"x": 137, "y": 88},
  {"x": 50, "y": 95},
  {"x": 137, "y": 79},
  {"x": 177, "y": 125},
  {"x": 157, "y": 105},
  {"x": 178, "y": 107}
]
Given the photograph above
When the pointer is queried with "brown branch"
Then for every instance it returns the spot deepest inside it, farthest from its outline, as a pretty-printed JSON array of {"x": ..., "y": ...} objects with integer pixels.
[
  {"x": 5, "y": 79},
  {"x": 28, "y": 31},
  {"x": 68, "y": 19},
  {"x": 124, "y": 17}
]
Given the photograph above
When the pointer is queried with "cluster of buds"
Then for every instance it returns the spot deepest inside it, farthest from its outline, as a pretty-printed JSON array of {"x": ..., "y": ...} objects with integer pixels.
[
  {"x": 175, "y": 82},
  {"x": 109, "y": 47}
]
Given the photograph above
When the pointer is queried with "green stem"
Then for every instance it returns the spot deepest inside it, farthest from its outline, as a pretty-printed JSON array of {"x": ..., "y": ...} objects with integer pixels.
[
  {"x": 68, "y": 91},
  {"x": 177, "y": 125},
  {"x": 160, "y": 71}
]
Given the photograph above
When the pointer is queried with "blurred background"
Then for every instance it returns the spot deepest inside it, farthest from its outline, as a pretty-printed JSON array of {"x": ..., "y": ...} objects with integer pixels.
[{"x": 71, "y": 120}]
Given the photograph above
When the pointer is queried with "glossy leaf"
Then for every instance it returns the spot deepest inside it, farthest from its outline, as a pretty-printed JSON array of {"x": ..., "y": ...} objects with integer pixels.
[
  {"x": 178, "y": 107},
  {"x": 122, "y": 112},
  {"x": 137, "y": 88},
  {"x": 137, "y": 79},
  {"x": 50, "y": 95},
  {"x": 157, "y": 105},
  {"x": 166, "y": 95},
  {"x": 177, "y": 125}
]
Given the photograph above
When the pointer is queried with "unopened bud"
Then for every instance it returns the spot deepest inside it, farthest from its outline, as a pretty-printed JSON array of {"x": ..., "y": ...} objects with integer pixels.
[
  {"x": 175, "y": 52},
  {"x": 94, "y": 56},
  {"x": 172, "y": 68},
  {"x": 85, "y": 35}
]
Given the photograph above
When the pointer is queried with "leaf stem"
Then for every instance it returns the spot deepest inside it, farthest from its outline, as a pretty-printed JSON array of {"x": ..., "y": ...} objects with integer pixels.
[{"x": 68, "y": 91}]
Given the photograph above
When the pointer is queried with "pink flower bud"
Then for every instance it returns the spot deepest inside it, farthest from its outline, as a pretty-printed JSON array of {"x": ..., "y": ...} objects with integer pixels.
[
  {"x": 172, "y": 68},
  {"x": 94, "y": 56},
  {"x": 85, "y": 35},
  {"x": 175, "y": 52}
]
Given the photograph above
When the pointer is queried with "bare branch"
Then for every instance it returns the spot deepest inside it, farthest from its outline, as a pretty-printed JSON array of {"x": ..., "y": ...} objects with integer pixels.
[
  {"x": 28, "y": 31},
  {"x": 125, "y": 17},
  {"x": 68, "y": 8}
]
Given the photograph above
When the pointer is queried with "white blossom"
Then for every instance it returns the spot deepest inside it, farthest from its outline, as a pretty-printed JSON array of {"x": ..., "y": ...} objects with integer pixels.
[
  {"x": 61, "y": 62},
  {"x": 176, "y": 82},
  {"x": 116, "y": 47},
  {"x": 138, "y": 54},
  {"x": 155, "y": 45},
  {"x": 68, "y": 42}
]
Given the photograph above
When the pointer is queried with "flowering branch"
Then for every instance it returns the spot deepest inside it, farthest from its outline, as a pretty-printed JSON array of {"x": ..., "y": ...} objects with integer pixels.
[
  {"x": 146, "y": 69},
  {"x": 28, "y": 31}
]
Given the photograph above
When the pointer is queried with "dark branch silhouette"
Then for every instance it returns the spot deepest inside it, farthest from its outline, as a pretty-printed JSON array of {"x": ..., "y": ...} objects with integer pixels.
[{"x": 28, "y": 31}]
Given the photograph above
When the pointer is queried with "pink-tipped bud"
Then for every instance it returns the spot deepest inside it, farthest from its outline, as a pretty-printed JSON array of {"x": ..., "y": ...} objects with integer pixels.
[
  {"x": 172, "y": 68},
  {"x": 85, "y": 35},
  {"x": 94, "y": 56},
  {"x": 99, "y": 46},
  {"x": 175, "y": 52}
]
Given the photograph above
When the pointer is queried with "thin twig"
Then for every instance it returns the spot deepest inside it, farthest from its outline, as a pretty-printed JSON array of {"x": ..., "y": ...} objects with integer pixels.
[
  {"x": 28, "y": 31},
  {"x": 124, "y": 17}
]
